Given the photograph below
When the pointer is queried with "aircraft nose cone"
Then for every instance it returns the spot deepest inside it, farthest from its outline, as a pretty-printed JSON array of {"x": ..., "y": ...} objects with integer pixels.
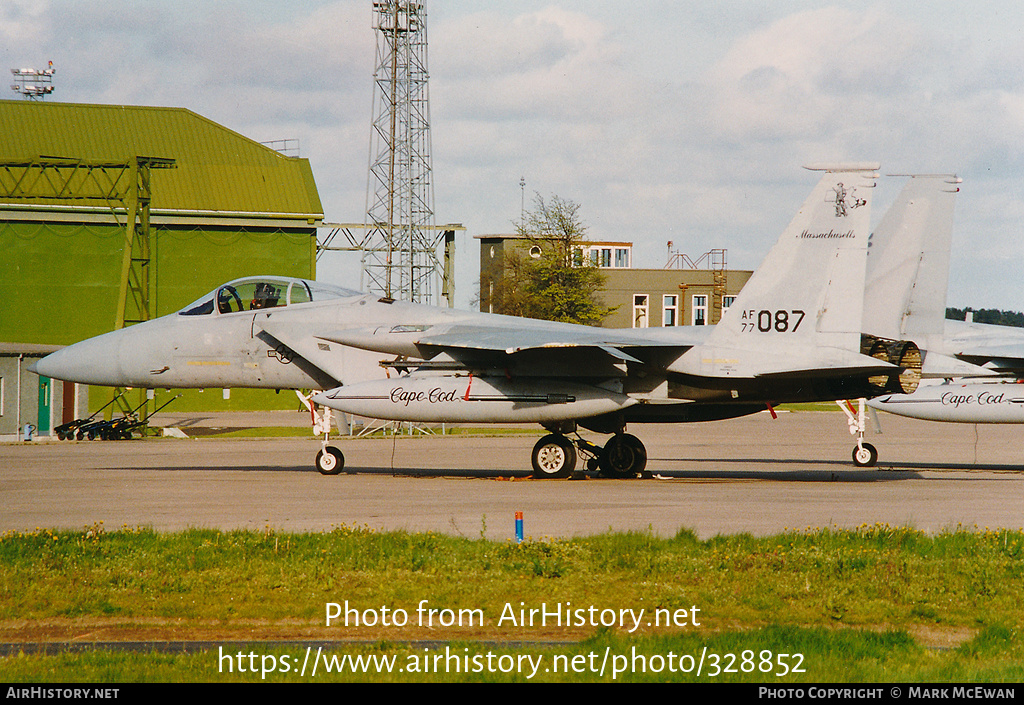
[{"x": 93, "y": 361}]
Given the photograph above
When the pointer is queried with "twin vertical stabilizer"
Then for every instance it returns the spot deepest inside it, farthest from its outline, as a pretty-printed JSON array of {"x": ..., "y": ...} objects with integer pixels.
[{"x": 908, "y": 261}]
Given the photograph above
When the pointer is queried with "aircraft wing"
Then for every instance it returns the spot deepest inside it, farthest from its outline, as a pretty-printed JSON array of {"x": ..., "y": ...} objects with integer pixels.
[
  {"x": 519, "y": 346},
  {"x": 510, "y": 337},
  {"x": 996, "y": 357},
  {"x": 527, "y": 336},
  {"x": 997, "y": 347}
]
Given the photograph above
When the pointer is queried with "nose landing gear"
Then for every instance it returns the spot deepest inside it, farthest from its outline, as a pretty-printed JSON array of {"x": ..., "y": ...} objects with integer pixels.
[
  {"x": 330, "y": 460},
  {"x": 865, "y": 455}
]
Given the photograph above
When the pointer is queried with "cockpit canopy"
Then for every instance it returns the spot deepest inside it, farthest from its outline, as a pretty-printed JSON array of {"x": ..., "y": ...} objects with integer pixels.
[{"x": 256, "y": 293}]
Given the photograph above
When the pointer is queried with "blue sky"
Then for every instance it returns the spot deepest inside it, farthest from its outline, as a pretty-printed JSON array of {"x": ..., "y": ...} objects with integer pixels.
[{"x": 681, "y": 121}]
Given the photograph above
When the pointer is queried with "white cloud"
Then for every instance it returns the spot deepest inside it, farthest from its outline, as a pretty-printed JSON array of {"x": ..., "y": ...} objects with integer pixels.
[
  {"x": 22, "y": 22},
  {"x": 811, "y": 74},
  {"x": 551, "y": 63},
  {"x": 663, "y": 121}
]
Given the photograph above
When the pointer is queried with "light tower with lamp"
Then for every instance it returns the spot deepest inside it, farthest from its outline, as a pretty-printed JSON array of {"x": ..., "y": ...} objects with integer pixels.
[{"x": 34, "y": 84}]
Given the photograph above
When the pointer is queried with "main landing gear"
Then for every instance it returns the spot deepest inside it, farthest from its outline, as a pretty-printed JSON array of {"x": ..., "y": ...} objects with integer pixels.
[
  {"x": 864, "y": 454},
  {"x": 555, "y": 456},
  {"x": 330, "y": 460},
  {"x": 623, "y": 456}
]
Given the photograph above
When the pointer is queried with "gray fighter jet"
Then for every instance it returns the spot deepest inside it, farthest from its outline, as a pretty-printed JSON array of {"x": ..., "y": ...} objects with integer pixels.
[{"x": 793, "y": 334}]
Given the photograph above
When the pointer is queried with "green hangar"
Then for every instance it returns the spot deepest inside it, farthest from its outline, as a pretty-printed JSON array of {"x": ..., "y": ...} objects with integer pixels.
[{"x": 112, "y": 214}]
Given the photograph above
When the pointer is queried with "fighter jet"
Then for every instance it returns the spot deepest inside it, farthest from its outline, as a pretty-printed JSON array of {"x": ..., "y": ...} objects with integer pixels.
[{"x": 793, "y": 334}]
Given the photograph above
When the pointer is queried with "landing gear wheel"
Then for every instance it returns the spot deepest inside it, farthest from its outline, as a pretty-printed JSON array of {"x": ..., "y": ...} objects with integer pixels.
[
  {"x": 623, "y": 456},
  {"x": 865, "y": 456},
  {"x": 554, "y": 457},
  {"x": 330, "y": 461}
]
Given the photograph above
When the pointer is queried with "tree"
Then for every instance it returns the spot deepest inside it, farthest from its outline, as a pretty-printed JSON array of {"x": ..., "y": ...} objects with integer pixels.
[
  {"x": 988, "y": 315},
  {"x": 548, "y": 278}
]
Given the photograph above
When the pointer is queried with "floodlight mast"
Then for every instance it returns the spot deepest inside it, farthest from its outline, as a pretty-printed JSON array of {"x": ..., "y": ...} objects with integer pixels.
[{"x": 34, "y": 84}]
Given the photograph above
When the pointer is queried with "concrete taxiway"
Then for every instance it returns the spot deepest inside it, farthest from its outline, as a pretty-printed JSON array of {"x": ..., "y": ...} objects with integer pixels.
[{"x": 757, "y": 474}]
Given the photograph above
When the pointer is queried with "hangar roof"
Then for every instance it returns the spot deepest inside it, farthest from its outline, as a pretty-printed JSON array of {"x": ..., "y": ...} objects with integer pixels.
[{"x": 218, "y": 171}]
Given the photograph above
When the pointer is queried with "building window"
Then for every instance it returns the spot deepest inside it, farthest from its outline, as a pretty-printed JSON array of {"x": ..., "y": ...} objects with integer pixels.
[
  {"x": 601, "y": 256},
  {"x": 535, "y": 251},
  {"x": 727, "y": 301},
  {"x": 700, "y": 309},
  {"x": 641, "y": 311},
  {"x": 608, "y": 257},
  {"x": 670, "y": 310}
]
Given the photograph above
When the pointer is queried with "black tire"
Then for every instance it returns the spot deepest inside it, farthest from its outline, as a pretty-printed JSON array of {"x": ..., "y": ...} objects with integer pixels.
[
  {"x": 623, "y": 456},
  {"x": 865, "y": 456},
  {"x": 554, "y": 457},
  {"x": 330, "y": 461}
]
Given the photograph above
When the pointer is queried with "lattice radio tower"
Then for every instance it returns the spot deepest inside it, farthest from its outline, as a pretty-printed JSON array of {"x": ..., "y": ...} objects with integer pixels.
[{"x": 400, "y": 259}]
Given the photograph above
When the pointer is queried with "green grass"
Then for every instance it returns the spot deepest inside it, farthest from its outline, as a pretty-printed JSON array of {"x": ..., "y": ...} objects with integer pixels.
[
  {"x": 780, "y": 655},
  {"x": 774, "y": 655},
  {"x": 810, "y": 406},
  {"x": 861, "y": 605}
]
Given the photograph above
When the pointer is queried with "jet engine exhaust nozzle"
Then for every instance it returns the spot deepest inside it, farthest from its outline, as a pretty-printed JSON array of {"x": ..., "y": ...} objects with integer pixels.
[{"x": 904, "y": 354}]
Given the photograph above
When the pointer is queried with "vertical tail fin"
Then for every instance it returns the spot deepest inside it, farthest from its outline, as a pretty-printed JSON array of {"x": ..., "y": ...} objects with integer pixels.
[
  {"x": 811, "y": 282},
  {"x": 803, "y": 307},
  {"x": 908, "y": 261}
]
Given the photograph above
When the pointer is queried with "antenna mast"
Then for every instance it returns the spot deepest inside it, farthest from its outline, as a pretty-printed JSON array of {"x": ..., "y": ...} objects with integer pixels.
[{"x": 400, "y": 259}]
